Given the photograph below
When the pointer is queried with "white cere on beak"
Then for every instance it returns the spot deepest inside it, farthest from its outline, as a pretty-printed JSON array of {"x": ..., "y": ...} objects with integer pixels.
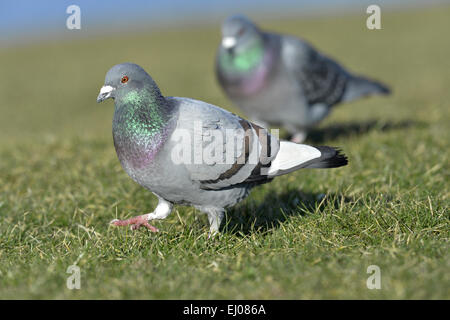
[
  {"x": 228, "y": 42},
  {"x": 106, "y": 89}
]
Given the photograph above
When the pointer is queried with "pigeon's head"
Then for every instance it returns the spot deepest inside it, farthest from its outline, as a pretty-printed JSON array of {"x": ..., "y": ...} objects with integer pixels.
[
  {"x": 238, "y": 33},
  {"x": 121, "y": 78}
]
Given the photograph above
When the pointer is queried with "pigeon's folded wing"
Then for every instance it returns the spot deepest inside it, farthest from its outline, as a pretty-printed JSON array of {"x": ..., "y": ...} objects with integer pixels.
[
  {"x": 321, "y": 79},
  {"x": 224, "y": 149}
]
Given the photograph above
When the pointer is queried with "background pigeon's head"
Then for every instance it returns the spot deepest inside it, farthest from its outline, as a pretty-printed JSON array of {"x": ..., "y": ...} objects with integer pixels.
[
  {"x": 123, "y": 77},
  {"x": 239, "y": 33}
]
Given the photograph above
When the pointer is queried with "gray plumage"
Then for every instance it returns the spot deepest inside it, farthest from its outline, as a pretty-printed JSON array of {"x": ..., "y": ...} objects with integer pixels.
[
  {"x": 282, "y": 80},
  {"x": 190, "y": 152}
]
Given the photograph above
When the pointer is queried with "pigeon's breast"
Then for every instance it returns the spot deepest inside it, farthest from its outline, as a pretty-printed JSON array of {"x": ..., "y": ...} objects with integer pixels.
[{"x": 135, "y": 151}]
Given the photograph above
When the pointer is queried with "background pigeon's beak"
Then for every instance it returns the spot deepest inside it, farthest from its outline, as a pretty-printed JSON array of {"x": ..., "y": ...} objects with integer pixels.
[
  {"x": 105, "y": 93},
  {"x": 228, "y": 42}
]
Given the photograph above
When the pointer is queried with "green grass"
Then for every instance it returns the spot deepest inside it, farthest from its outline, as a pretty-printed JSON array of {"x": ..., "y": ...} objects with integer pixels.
[{"x": 61, "y": 183}]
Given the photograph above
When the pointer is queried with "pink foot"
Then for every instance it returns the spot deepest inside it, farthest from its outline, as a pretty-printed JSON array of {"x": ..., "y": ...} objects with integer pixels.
[{"x": 135, "y": 222}]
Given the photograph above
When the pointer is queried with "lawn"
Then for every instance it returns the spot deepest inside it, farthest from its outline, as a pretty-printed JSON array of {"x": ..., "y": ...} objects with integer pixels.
[{"x": 307, "y": 235}]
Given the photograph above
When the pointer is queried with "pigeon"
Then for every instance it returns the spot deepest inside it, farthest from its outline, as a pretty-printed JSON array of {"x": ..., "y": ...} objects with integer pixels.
[
  {"x": 189, "y": 152},
  {"x": 281, "y": 80}
]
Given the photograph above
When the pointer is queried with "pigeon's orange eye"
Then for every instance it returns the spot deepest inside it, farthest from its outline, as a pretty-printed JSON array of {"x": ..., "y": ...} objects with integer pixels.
[{"x": 124, "y": 79}]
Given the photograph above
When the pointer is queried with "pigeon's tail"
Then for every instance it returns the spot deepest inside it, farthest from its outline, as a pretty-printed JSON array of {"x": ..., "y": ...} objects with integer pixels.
[
  {"x": 359, "y": 87},
  {"x": 292, "y": 156}
]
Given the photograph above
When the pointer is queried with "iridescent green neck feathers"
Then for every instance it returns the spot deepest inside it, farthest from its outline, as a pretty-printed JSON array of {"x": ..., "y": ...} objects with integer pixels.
[
  {"x": 142, "y": 122},
  {"x": 243, "y": 60}
]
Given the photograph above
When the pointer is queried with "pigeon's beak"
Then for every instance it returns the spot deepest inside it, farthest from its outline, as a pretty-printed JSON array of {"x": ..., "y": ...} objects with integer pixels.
[
  {"x": 228, "y": 42},
  {"x": 105, "y": 93}
]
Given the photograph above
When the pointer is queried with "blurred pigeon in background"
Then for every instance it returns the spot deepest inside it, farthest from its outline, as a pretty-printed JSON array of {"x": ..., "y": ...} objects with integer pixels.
[
  {"x": 281, "y": 80},
  {"x": 192, "y": 153}
]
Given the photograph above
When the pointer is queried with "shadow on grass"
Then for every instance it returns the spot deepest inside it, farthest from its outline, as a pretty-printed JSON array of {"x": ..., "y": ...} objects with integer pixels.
[
  {"x": 277, "y": 208},
  {"x": 342, "y": 130}
]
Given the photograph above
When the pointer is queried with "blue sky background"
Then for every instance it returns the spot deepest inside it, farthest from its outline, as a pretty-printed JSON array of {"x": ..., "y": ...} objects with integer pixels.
[{"x": 28, "y": 20}]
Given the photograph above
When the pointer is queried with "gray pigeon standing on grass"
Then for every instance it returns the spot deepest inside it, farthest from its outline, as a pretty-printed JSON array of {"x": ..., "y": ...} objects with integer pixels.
[
  {"x": 281, "y": 80},
  {"x": 189, "y": 152}
]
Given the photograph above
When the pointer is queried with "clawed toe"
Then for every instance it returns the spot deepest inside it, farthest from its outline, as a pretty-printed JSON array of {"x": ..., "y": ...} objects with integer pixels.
[{"x": 145, "y": 224}]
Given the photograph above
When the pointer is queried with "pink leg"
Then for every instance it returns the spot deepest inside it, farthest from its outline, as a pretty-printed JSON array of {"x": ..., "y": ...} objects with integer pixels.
[
  {"x": 136, "y": 223},
  {"x": 299, "y": 137}
]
